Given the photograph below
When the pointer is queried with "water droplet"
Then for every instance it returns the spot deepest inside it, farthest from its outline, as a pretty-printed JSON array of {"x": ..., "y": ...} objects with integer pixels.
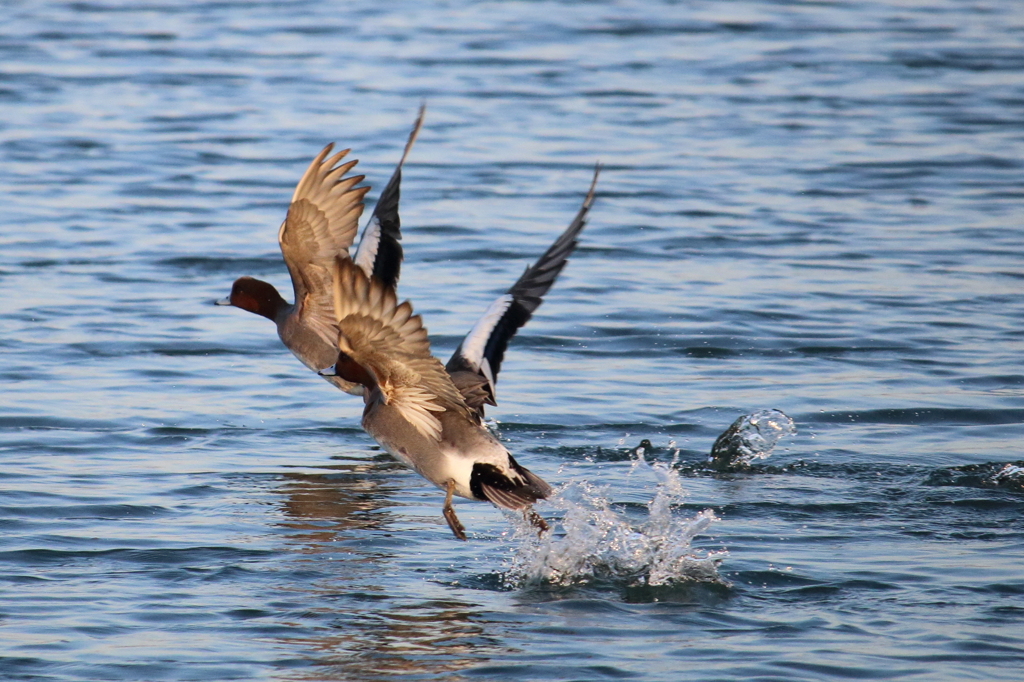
[{"x": 750, "y": 437}]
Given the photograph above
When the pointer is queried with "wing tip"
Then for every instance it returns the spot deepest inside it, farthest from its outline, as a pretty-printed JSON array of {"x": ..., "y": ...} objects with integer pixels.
[
  {"x": 593, "y": 185},
  {"x": 416, "y": 127}
]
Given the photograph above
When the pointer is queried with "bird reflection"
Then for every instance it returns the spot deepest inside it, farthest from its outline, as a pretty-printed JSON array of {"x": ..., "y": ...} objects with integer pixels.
[
  {"x": 344, "y": 498},
  {"x": 427, "y": 638},
  {"x": 346, "y": 617}
]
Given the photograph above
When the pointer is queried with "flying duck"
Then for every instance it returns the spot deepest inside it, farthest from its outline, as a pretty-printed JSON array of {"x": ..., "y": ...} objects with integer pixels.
[
  {"x": 321, "y": 223},
  {"x": 413, "y": 409}
]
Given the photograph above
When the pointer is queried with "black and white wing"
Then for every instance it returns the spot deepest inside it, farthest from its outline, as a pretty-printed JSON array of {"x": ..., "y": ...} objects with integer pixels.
[
  {"x": 380, "y": 253},
  {"x": 476, "y": 362}
]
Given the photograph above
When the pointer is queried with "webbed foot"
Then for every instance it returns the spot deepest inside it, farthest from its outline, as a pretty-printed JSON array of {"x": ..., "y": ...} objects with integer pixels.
[{"x": 539, "y": 523}]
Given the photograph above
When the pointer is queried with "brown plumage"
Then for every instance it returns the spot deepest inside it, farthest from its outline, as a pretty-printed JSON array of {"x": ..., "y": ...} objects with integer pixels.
[
  {"x": 412, "y": 407},
  {"x": 321, "y": 223}
]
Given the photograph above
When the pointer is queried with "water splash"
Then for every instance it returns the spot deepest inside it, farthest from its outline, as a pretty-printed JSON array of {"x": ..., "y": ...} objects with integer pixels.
[
  {"x": 750, "y": 437},
  {"x": 596, "y": 541},
  {"x": 1002, "y": 475},
  {"x": 1010, "y": 476}
]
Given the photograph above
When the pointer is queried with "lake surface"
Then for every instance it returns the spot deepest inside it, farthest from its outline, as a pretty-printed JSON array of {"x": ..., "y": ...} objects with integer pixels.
[{"x": 811, "y": 207}]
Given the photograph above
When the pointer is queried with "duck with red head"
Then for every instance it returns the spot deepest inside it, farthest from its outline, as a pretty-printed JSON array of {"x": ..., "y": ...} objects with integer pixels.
[{"x": 321, "y": 224}]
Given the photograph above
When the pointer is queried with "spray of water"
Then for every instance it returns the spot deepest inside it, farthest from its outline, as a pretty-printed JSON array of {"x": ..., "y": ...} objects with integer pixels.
[
  {"x": 594, "y": 540},
  {"x": 1009, "y": 476},
  {"x": 752, "y": 436}
]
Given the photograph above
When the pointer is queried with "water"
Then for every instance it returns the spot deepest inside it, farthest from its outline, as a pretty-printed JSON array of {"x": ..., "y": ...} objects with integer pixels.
[
  {"x": 809, "y": 207},
  {"x": 748, "y": 439}
]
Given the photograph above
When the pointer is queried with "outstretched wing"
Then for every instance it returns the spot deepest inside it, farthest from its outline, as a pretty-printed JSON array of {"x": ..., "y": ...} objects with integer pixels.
[
  {"x": 380, "y": 253},
  {"x": 322, "y": 221},
  {"x": 476, "y": 362},
  {"x": 384, "y": 346}
]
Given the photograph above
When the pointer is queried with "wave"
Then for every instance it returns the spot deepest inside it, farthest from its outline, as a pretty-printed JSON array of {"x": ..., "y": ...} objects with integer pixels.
[{"x": 1002, "y": 475}]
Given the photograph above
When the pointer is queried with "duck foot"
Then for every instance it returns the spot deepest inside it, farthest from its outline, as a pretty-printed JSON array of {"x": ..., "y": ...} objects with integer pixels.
[
  {"x": 535, "y": 518},
  {"x": 449, "y": 513}
]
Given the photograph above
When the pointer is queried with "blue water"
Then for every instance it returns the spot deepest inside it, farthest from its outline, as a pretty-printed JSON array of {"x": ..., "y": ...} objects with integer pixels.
[{"x": 811, "y": 207}]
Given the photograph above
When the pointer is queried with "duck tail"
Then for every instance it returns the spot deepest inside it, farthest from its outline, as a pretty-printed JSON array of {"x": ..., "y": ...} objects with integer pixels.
[{"x": 488, "y": 482}]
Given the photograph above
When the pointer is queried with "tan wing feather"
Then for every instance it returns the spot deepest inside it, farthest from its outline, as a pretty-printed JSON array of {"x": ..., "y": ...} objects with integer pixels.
[
  {"x": 325, "y": 187},
  {"x": 389, "y": 341},
  {"x": 321, "y": 223},
  {"x": 417, "y": 405}
]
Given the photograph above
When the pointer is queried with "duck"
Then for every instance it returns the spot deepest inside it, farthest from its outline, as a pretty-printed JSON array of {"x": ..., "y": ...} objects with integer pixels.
[
  {"x": 412, "y": 406},
  {"x": 321, "y": 222}
]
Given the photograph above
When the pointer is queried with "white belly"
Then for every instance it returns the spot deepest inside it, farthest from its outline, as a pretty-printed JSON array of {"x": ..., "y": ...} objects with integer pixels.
[{"x": 440, "y": 471}]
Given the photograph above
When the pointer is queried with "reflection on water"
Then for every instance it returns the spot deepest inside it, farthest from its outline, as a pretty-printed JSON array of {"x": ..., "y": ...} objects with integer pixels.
[
  {"x": 346, "y": 500},
  {"x": 357, "y": 628},
  {"x": 428, "y": 638}
]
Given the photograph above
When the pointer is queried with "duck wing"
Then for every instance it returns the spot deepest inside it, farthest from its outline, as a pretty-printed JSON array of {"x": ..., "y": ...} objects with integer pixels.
[
  {"x": 384, "y": 346},
  {"x": 322, "y": 221},
  {"x": 476, "y": 362},
  {"x": 380, "y": 253}
]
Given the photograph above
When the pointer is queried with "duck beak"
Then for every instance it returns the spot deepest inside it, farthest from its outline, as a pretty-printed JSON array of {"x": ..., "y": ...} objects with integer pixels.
[
  {"x": 223, "y": 301},
  {"x": 329, "y": 372}
]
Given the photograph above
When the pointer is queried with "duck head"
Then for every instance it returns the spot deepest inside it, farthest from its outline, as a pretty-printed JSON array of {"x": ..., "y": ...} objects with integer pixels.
[{"x": 256, "y": 296}]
